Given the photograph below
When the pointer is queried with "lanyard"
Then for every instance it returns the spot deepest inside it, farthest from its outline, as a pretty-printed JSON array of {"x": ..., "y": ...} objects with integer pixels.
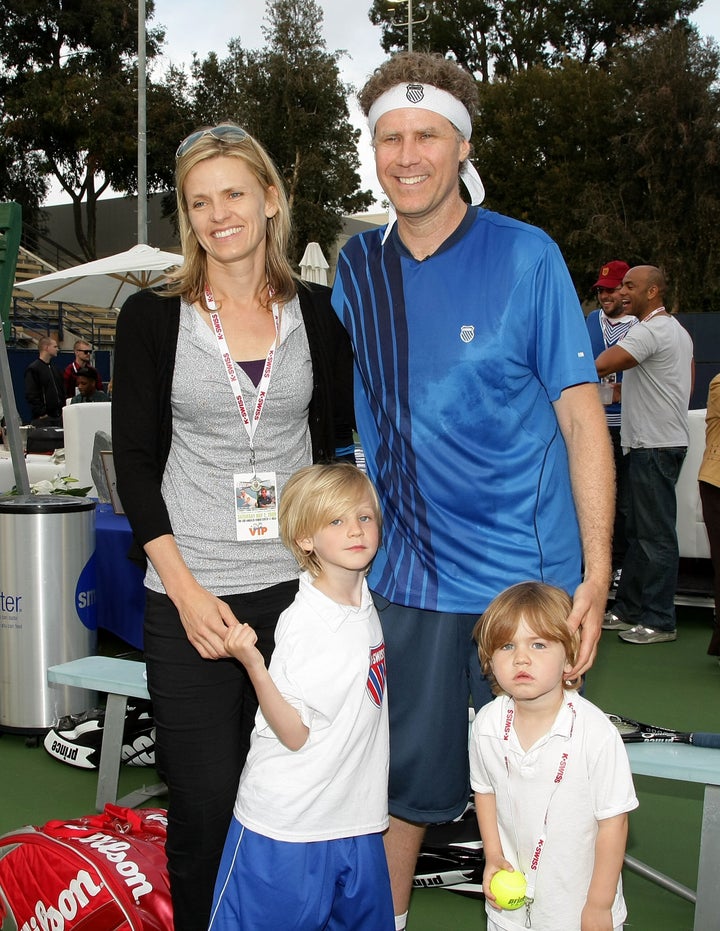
[
  {"x": 658, "y": 310},
  {"x": 540, "y": 843},
  {"x": 250, "y": 422}
]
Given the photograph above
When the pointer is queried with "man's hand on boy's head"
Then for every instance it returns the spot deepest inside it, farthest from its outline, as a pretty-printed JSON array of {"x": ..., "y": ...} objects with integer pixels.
[{"x": 589, "y": 603}]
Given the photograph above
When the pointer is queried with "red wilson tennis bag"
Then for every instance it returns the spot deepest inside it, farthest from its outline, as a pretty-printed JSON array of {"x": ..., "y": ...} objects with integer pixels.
[{"x": 102, "y": 872}]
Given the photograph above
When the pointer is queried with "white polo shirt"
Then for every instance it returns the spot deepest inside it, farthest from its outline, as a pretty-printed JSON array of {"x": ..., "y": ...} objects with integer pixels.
[
  {"x": 596, "y": 784},
  {"x": 329, "y": 663}
]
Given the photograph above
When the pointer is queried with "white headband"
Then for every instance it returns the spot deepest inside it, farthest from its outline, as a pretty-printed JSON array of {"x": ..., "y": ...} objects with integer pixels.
[
  {"x": 423, "y": 97},
  {"x": 428, "y": 97}
]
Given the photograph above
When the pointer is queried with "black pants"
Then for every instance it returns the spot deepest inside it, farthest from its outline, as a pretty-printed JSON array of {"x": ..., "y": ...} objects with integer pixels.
[
  {"x": 619, "y": 540},
  {"x": 204, "y": 714},
  {"x": 710, "y": 499}
]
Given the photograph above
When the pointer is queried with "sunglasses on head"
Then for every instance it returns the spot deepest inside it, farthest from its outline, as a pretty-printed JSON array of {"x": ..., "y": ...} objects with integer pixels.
[{"x": 217, "y": 132}]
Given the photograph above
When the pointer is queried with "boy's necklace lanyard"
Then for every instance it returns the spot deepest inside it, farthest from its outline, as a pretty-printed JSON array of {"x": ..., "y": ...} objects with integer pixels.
[
  {"x": 531, "y": 878},
  {"x": 249, "y": 422}
]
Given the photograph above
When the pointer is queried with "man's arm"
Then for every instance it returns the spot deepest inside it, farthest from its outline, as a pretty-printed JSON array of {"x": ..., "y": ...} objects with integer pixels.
[
  {"x": 614, "y": 359},
  {"x": 584, "y": 428}
]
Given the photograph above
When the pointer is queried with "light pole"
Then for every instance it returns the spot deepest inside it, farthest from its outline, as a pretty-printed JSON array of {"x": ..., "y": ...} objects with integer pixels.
[
  {"x": 142, "y": 236},
  {"x": 410, "y": 21}
]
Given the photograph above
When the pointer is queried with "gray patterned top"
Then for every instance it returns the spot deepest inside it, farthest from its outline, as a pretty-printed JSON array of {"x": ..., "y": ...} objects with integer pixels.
[{"x": 210, "y": 444}]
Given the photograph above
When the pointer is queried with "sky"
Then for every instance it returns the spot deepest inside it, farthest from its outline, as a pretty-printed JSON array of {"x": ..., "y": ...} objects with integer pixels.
[{"x": 346, "y": 27}]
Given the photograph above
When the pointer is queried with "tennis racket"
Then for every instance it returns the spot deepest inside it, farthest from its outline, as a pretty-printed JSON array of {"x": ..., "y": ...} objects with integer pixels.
[{"x": 636, "y": 732}]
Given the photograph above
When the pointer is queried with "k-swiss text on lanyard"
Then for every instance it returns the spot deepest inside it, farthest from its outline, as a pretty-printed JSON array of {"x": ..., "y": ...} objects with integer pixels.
[
  {"x": 256, "y": 519},
  {"x": 540, "y": 844},
  {"x": 250, "y": 423}
]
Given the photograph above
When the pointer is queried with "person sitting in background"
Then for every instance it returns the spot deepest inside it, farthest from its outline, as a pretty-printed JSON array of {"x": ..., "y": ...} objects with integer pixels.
[
  {"x": 709, "y": 481},
  {"x": 83, "y": 357},
  {"x": 87, "y": 385}
]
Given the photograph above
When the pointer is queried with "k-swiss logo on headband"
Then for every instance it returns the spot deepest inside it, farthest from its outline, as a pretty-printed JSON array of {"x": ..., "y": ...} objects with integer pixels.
[
  {"x": 415, "y": 93},
  {"x": 467, "y": 333}
]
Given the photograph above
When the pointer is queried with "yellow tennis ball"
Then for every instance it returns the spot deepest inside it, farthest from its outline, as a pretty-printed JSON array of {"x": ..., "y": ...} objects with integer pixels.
[{"x": 508, "y": 888}]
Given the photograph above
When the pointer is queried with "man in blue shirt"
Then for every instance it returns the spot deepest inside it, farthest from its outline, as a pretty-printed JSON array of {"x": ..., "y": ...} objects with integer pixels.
[
  {"x": 478, "y": 411},
  {"x": 607, "y": 326}
]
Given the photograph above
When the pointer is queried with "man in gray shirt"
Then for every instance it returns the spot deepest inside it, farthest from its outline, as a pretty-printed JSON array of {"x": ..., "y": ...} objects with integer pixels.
[{"x": 657, "y": 358}]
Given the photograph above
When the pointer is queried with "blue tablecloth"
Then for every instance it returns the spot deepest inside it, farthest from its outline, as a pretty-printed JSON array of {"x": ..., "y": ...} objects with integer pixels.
[{"x": 119, "y": 592}]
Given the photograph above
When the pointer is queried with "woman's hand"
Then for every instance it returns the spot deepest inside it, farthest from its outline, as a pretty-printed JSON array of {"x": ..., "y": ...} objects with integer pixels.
[
  {"x": 205, "y": 617},
  {"x": 206, "y": 620}
]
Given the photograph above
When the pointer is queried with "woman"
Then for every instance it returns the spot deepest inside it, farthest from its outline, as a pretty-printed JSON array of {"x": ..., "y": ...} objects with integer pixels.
[
  {"x": 232, "y": 377},
  {"x": 709, "y": 480}
]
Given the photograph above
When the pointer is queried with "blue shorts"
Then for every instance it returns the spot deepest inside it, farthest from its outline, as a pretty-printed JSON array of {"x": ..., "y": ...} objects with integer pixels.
[
  {"x": 333, "y": 885},
  {"x": 433, "y": 669}
]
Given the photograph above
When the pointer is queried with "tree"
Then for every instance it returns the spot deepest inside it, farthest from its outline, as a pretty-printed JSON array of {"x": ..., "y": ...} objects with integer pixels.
[
  {"x": 69, "y": 84},
  {"x": 290, "y": 96},
  {"x": 668, "y": 146},
  {"x": 22, "y": 179},
  {"x": 540, "y": 146},
  {"x": 499, "y": 37},
  {"x": 620, "y": 160},
  {"x": 593, "y": 28}
]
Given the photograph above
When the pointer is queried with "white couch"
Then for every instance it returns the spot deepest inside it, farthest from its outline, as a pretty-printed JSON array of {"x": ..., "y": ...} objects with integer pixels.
[{"x": 81, "y": 422}]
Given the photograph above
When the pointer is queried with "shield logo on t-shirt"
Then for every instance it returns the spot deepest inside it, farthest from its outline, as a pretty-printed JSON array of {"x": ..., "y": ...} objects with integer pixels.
[{"x": 376, "y": 674}]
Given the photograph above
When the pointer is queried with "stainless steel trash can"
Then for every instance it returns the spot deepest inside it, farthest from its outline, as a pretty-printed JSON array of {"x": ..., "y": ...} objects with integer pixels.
[{"x": 47, "y": 606}]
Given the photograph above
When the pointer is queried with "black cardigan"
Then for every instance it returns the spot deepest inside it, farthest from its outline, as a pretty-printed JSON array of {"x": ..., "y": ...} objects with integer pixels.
[{"x": 145, "y": 344}]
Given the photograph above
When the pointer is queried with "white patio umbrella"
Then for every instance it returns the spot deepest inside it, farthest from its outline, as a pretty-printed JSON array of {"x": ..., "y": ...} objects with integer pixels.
[
  {"x": 313, "y": 264},
  {"x": 104, "y": 282}
]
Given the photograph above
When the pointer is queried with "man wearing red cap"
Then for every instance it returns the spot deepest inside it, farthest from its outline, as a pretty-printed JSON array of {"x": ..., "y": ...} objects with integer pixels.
[{"x": 607, "y": 326}]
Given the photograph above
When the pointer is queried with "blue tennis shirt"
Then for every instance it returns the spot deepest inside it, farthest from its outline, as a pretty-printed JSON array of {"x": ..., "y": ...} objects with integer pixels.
[{"x": 458, "y": 360}]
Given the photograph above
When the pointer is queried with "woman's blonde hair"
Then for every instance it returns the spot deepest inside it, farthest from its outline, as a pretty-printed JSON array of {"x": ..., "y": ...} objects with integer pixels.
[
  {"x": 314, "y": 496},
  {"x": 544, "y": 608},
  {"x": 189, "y": 279}
]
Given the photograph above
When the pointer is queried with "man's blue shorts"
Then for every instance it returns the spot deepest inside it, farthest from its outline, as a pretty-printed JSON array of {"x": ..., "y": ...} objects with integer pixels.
[
  {"x": 432, "y": 669},
  {"x": 333, "y": 885}
]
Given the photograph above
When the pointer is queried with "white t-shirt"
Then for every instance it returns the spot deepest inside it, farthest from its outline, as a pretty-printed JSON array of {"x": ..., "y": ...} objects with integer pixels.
[
  {"x": 656, "y": 392},
  {"x": 596, "y": 784},
  {"x": 329, "y": 663}
]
